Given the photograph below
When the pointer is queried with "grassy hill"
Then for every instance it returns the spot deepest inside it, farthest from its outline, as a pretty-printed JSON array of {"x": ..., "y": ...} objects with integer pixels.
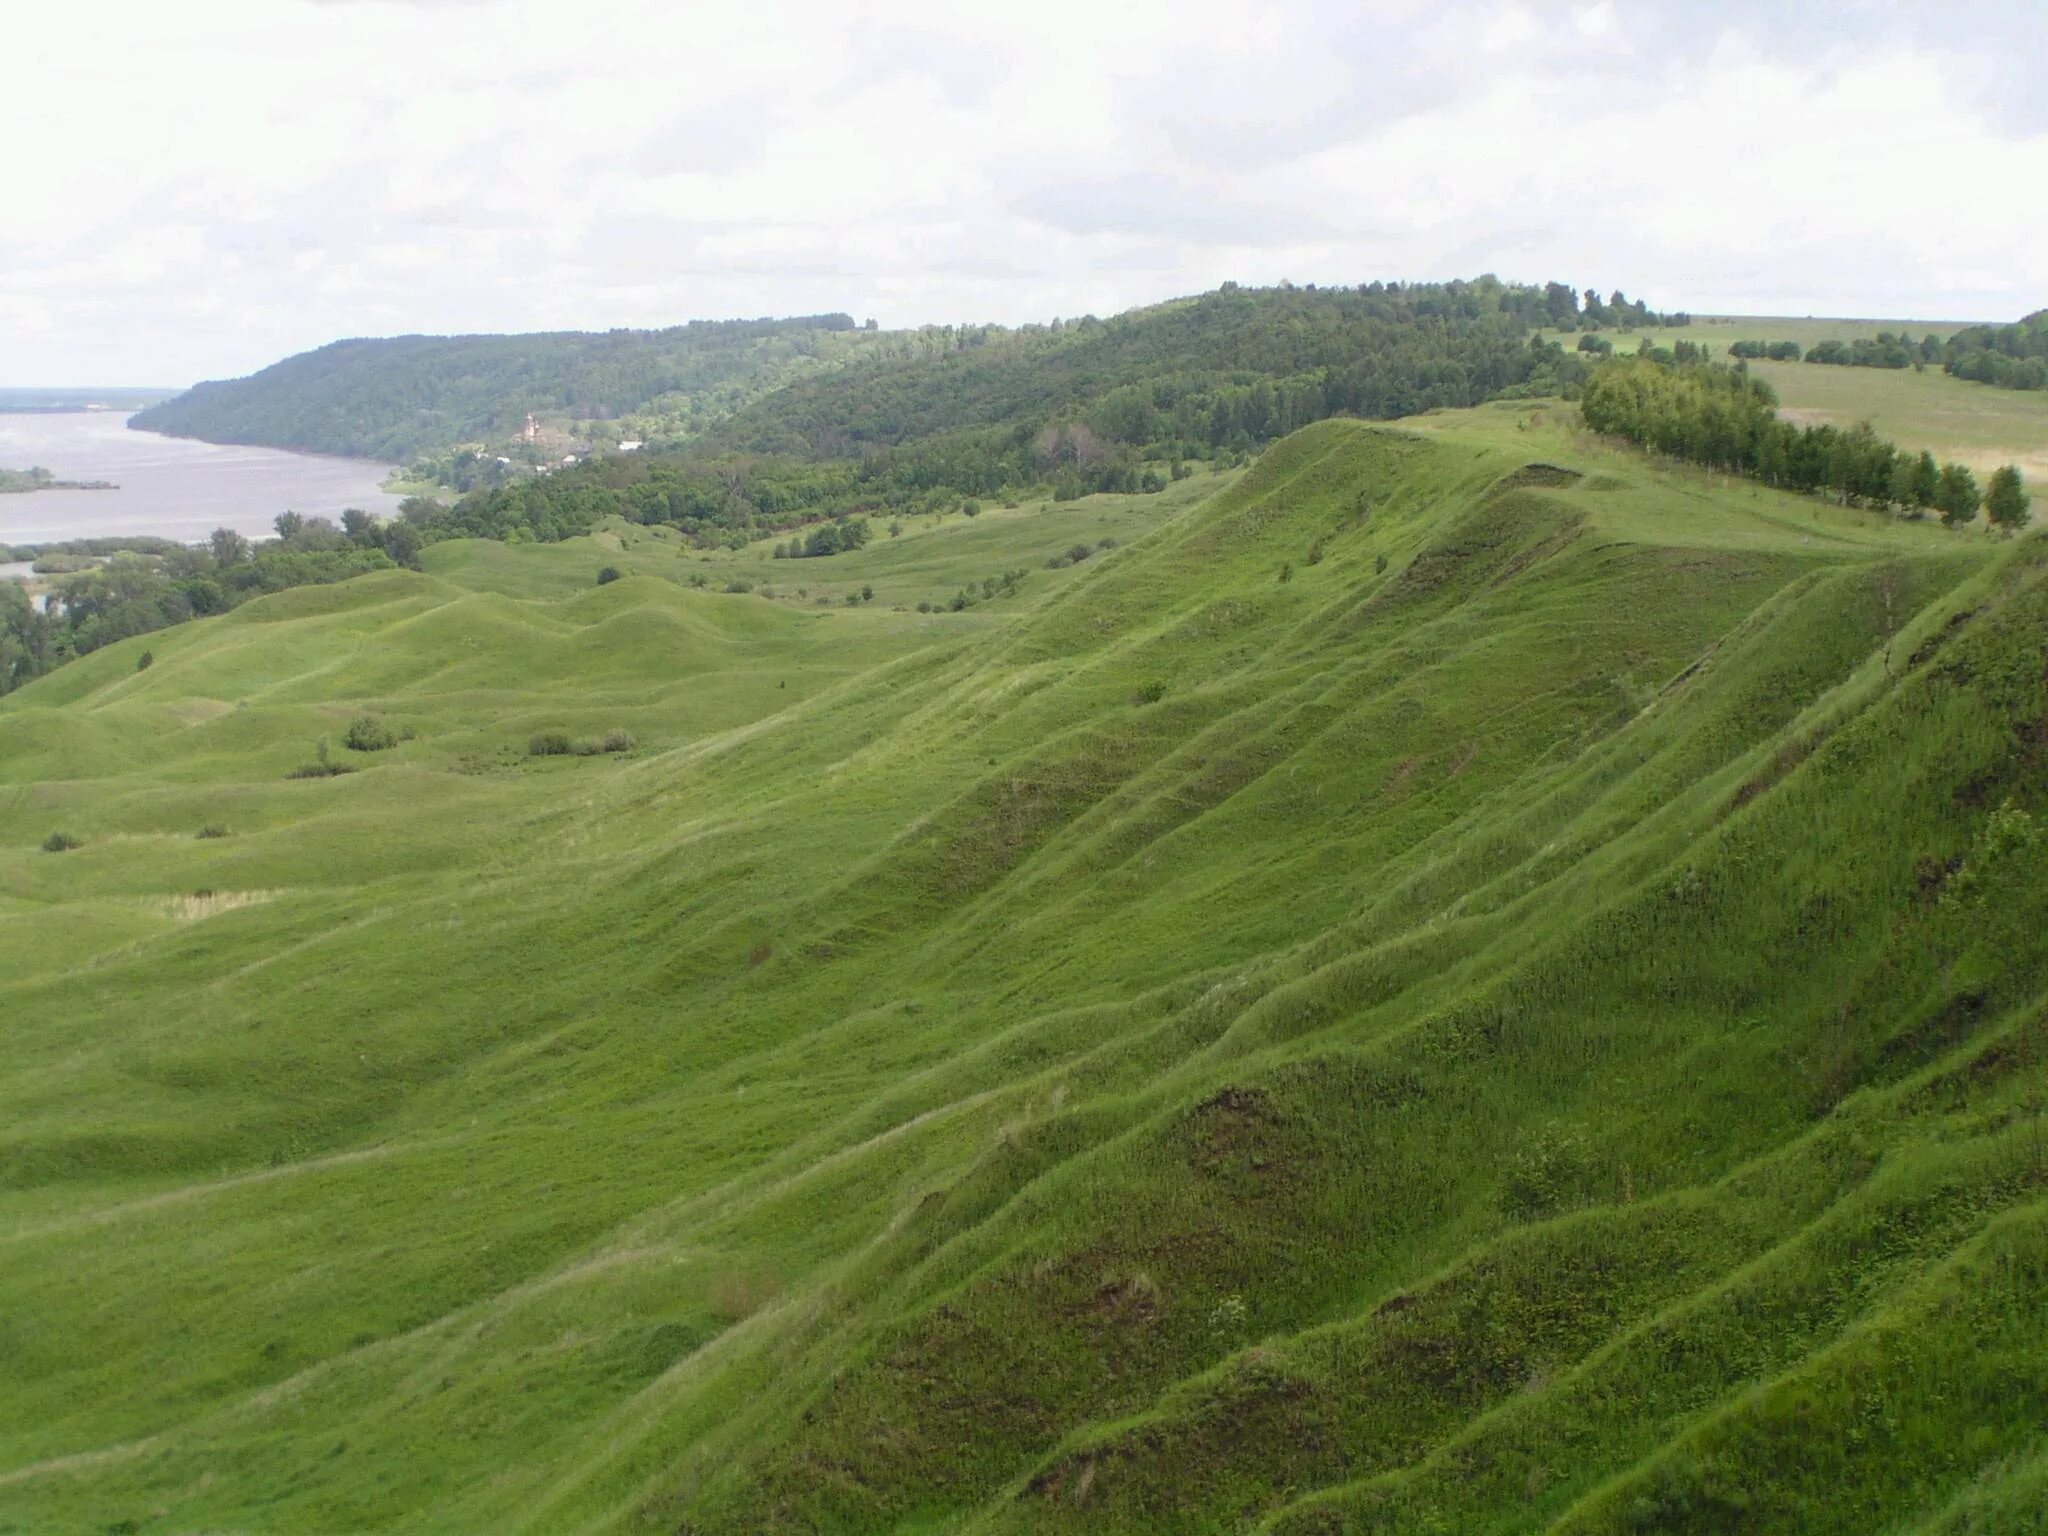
[
  {"x": 1451, "y": 981},
  {"x": 402, "y": 396}
]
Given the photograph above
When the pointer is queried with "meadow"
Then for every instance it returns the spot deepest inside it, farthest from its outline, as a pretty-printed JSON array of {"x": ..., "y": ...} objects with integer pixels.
[{"x": 1455, "y": 979}]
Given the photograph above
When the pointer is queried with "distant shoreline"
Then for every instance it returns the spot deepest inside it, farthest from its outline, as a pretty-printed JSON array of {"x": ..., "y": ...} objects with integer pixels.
[{"x": 26, "y": 482}]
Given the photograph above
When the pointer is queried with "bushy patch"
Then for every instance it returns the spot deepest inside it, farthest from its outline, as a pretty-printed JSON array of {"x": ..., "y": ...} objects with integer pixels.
[
  {"x": 562, "y": 744},
  {"x": 60, "y": 842},
  {"x": 367, "y": 733}
]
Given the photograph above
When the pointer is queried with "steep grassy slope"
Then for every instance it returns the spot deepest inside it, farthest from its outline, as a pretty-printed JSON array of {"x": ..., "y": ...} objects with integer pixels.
[{"x": 1459, "y": 983}]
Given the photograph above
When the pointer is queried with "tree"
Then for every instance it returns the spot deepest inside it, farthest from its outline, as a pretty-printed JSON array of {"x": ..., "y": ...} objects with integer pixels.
[
  {"x": 289, "y": 525},
  {"x": 1926, "y": 480},
  {"x": 360, "y": 527},
  {"x": 402, "y": 543},
  {"x": 229, "y": 547},
  {"x": 2005, "y": 502},
  {"x": 1958, "y": 496}
]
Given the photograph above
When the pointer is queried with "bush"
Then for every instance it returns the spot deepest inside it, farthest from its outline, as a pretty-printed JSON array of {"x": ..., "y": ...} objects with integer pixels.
[
  {"x": 212, "y": 829},
  {"x": 970, "y": 508},
  {"x": 608, "y": 575},
  {"x": 145, "y": 661},
  {"x": 321, "y": 767},
  {"x": 1152, "y": 692},
  {"x": 550, "y": 744},
  {"x": 60, "y": 842},
  {"x": 619, "y": 741},
  {"x": 366, "y": 733}
]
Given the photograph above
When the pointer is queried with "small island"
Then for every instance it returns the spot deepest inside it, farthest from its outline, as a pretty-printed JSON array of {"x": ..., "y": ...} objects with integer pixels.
[{"x": 40, "y": 479}]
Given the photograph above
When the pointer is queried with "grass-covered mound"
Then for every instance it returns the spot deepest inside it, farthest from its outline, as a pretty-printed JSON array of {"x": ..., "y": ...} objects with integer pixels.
[{"x": 1459, "y": 983}]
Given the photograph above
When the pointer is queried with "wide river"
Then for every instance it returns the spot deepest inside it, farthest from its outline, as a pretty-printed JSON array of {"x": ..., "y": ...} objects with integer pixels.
[{"x": 171, "y": 487}]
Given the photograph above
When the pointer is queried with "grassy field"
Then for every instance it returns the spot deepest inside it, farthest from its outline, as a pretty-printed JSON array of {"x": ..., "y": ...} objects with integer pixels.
[
  {"x": 1972, "y": 424},
  {"x": 1451, "y": 981}
]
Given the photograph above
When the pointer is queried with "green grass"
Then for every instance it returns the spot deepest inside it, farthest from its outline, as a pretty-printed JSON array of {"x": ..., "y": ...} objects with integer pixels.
[
  {"x": 1972, "y": 424},
  {"x": 1531, "y": 1023}
]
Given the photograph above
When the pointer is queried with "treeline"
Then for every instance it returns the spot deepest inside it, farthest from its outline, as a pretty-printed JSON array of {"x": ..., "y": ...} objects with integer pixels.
[
  {"x": 136, "y": 594},
  {"x": 1888, "y": 349},
  {"x": 1775, "y": 351},
  {"x": 1568, "y": 310},
  {"x": 2007, "y": 356},
  {"x": 402, "y": 397},
  {"x": 1727, "y": 420}
]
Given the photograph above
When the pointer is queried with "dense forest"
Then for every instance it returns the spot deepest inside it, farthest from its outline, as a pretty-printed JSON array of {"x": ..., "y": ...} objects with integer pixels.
[
  {"x": 407, "y": 396},
  {"x": 1069, "y": 408}
]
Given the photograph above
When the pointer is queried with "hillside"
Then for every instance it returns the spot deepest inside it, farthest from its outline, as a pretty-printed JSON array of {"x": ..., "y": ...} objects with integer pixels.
[
  {"x": 1238, "y": 366},
  {"x": 404, "y": 396},
  {"x": 1451, "y": 981}
]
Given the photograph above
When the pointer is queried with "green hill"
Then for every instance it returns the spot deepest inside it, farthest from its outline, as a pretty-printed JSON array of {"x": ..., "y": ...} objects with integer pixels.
[
  {"x": 403, "y": 396},
  {"x": 1455, "y": 980}
]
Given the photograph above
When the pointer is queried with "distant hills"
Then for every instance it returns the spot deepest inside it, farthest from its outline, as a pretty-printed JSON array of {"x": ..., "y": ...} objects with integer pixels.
[
  {"x": 404, "y": 396},
  {"x": 96, "y": 398},
  {"x": 1269, "y": 359}
]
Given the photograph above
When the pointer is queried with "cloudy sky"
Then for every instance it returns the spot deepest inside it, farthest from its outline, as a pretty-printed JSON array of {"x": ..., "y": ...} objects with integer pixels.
[{"x": 197, "y": 189}]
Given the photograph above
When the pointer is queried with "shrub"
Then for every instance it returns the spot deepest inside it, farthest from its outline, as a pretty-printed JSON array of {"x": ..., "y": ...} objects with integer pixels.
[
  {"x": 212, "y": 829},
  {"x": 1286, "y": 571},
  {"x": 321, "y": 767},
  {"x": 608, "y": 575},
  {"x": 971, "y": 507},
  {"x": 550, "y": 744},
  {"x": 366, "y": 733},
  {"x": 145, "y": 661},
  {"x": 739, "y": 585},
  {"x": 619, "y": 741},
  {"x": 1152, "y": 692},
  {"x": 60, "y": 842}
]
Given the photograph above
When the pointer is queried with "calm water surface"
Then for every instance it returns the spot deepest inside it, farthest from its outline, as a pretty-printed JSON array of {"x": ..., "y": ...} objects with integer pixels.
[{"x": 169, "y": 486}]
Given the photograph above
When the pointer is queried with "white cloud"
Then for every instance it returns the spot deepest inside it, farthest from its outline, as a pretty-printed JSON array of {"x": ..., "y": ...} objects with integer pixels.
[{"x": 225, "y": 181}]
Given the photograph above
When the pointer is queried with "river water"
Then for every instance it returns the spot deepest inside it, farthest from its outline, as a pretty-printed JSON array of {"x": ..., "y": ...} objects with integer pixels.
[{"x": 171, "y": 487}]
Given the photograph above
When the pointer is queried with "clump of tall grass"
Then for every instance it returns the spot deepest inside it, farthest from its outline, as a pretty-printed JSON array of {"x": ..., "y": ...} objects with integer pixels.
[{"x": 562, "y": 744}]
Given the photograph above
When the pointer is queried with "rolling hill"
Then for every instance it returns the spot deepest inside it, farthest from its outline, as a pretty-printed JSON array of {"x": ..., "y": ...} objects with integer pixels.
[
  {"x": 402, "y": 396},
  {"x": 1452, "y": 980}
]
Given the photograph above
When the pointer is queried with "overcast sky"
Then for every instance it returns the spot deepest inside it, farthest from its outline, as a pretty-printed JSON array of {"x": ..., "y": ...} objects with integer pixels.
[{"x": 196, "y": 189}]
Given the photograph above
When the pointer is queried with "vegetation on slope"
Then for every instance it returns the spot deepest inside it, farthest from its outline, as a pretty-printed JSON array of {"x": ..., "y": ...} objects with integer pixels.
[
  {"x": 1531, "y": 1022},
  {"x": 398, "y": 397}
]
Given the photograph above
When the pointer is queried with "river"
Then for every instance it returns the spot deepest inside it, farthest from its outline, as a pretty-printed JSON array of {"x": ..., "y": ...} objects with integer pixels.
[{"x": 171, "y": 487}]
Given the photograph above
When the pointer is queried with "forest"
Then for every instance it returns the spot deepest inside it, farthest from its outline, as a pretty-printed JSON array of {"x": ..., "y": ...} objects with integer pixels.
[
  {"x": 401, "y": 397},
  {"x": 1074, "y": 407}
]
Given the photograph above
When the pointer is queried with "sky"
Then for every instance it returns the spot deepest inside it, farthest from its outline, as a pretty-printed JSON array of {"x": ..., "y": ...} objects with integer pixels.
[{"x": 194, "y": 190}]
